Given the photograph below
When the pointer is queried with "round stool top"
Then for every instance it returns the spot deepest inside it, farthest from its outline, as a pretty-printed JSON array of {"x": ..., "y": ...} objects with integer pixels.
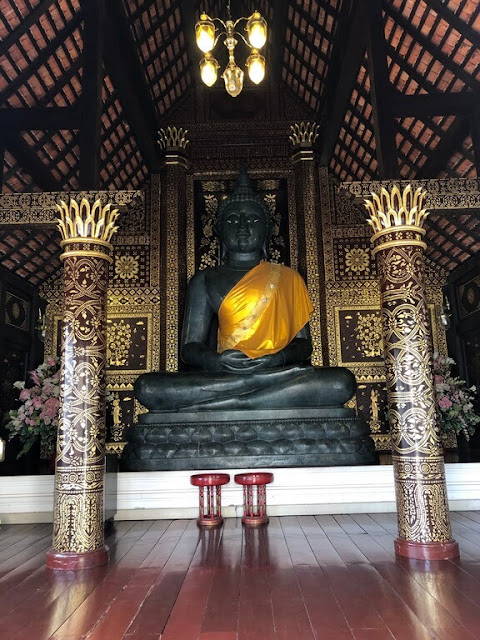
[
  {"x": 261, "y": 477},
  {"x": 209, "y": 479}
]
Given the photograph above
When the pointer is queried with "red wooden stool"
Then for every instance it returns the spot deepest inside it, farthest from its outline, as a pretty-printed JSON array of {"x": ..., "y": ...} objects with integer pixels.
[
  {"x": 213, "y": 484},
  {"x": 254, "y": 507}
]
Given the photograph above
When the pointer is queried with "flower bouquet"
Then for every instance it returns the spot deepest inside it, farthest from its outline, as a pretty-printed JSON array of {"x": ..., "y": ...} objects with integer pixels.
[
  {"x": 37, "y": 417},
  {"x": 455, "y": 407}
]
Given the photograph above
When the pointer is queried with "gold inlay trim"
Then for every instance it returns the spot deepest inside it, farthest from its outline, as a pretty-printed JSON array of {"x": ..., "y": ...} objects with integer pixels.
[
  {"x": 398, "y": 243},
  {"x": 86, "y": 253}
]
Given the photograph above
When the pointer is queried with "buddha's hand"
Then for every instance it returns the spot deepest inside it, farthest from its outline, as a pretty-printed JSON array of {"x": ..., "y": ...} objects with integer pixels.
[{"x": 238, "y": 362}]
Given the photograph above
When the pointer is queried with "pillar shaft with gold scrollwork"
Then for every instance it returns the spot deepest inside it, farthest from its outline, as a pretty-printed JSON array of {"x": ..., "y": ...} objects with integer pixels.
[
  {"x": 173, "y": 207},
  {"x": 422, "y": 508},
  {"x": 307, "y": 195},
  {"x": 78, "y": 539}
]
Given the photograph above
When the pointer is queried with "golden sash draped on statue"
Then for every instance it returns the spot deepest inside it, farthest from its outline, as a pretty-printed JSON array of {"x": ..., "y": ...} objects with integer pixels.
[{"x": 263, "y": 312}]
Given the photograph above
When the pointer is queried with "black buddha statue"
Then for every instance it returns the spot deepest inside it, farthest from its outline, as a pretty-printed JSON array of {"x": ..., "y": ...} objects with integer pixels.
[{"x": 264, "y": 344}]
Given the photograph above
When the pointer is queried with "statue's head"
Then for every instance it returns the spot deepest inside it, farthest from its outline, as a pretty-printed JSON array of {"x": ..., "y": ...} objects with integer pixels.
[{"x": 243, "y": 220}]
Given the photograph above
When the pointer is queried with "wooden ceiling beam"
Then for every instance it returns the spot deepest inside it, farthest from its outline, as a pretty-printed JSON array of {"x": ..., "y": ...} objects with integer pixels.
[
  {"x": 127, "y": 76},
  {"x": 28, "y": 21},
  {"x": 309, "y": 21},
  {"x": 351, "y": 50},
  {"x": 421, "y": 105},
  {"x": 39, "y": 118},
  {"x": 277, "y": 33},
  {"x": 430, "y": 223},
  {"x": 91, "y": 99},
  {"x": 475, "y": 133},
  {"x": 429, "y": 46},
  {"x": 450, "y": 142},
  {"x": 33, "y": 66},
  {"x": 28, "y": 160},
  {"x": 380, "y": 89},
  {"x": 187, "y": 8},
  {"x": 454, "y": 21}
]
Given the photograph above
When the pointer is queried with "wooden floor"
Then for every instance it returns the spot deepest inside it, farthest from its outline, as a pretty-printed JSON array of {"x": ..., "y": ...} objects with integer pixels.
[{"x": 325, "y": 577}]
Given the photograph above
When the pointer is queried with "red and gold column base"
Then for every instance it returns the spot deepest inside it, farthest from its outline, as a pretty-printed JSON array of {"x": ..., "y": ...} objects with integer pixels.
[
  {"x": 69, "y": 561},
  {"x": 427, "y": 550}
]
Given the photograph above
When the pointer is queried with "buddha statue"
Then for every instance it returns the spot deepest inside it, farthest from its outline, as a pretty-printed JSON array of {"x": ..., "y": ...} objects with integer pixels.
[{"x": 263, "y": 345}]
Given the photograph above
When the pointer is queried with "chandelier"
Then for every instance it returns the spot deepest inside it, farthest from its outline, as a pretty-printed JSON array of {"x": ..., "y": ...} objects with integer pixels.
[{"x": 207, "y": 36}]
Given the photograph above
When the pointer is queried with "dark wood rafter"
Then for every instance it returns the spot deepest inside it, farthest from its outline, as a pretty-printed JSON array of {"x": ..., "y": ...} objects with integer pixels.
[
  {"x": 432, "y": 104},
  {"x": 38, "y": 119},
  {"x": 454, "y": 21},
  {"x": 91, "y": 100},
  {"x": 16, "y": 249},
  {"x": 28, "y": 21},
  {"x": 30, "y": 48},
  {"x": 28, "y": 159},
  {"x": 446, "y": 237},
  {"x": 412, "y": 72},
  {"x": 187, "y": 8},
  {"x": 431, "y": 47},
  {"x": 2, "y": 163},
  {"x": 127, "y": 77},
  {"x": 450, "y": 141},
  {"x": 475, "y": 133},
  {"x": 380, "y": 88},
  {"x": 308, "y": 19},
  {"x": 33, "y": 66},
  {"x": 346, "y": 61},
  {"x": 277, "y": 40},
  {"x": 454, "y": 216}
]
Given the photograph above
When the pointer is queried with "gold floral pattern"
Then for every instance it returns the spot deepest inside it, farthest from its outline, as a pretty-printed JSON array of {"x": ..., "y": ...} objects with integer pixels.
[
  {"x": 357, "y": 260},
  {"x": 119, "y": 341},
  {"x": 368, "y": 331},
  {"x": 126, "y": 267}
]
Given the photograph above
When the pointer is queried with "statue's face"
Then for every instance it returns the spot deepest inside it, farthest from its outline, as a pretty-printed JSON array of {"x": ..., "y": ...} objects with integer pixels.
[{"x": 243, "y": 227}]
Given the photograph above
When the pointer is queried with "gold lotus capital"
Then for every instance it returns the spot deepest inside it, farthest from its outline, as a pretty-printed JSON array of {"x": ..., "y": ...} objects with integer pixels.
[
  {"x": 173, "y": 137},
  {"x": 303, "y": 133}
]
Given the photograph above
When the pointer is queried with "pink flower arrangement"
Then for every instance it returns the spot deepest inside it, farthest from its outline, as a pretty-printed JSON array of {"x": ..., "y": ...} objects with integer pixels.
[
  {"x": 455, "y": 401},
  {"x": 37, "y": 417}
]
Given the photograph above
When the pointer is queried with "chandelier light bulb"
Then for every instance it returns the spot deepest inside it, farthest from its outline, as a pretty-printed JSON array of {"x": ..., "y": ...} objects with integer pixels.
[
  {"x": 208, "y": 70},
  {"x": 207, "y": 37},
  {"x": 256, "y": 67},
  {"x": 233, "y": 77},
  {"x": 257, "y": 30},
  {"x": 205, "y": 33}
]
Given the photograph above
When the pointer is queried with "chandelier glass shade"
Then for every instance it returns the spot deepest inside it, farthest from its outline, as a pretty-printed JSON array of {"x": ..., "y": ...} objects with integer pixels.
[{"x": 207, "y": 36}]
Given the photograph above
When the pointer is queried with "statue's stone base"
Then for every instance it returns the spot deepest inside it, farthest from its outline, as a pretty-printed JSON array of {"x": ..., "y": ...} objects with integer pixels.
[{"x": 251, "y": 439}]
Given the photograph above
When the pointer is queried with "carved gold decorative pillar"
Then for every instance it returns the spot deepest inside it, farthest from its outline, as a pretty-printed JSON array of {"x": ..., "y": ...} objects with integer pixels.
[
  {"x": 311, "y": 262},
  {"x": 78, "y": 541},
  {"x": 173, "y": 210},
  {"x": 422, "y": 508}
]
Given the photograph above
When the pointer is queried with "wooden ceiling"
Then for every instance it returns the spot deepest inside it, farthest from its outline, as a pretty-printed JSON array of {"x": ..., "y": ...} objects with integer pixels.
[{"x": 84, "y": 86}]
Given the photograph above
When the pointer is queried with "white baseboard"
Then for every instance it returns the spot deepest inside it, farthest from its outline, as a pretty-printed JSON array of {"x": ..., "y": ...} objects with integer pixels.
[{"x": 158, "y": 495}]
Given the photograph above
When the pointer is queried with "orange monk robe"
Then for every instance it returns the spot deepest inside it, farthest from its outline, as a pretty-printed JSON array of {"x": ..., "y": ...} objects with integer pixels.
[{"x": 264, "y": 311}]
